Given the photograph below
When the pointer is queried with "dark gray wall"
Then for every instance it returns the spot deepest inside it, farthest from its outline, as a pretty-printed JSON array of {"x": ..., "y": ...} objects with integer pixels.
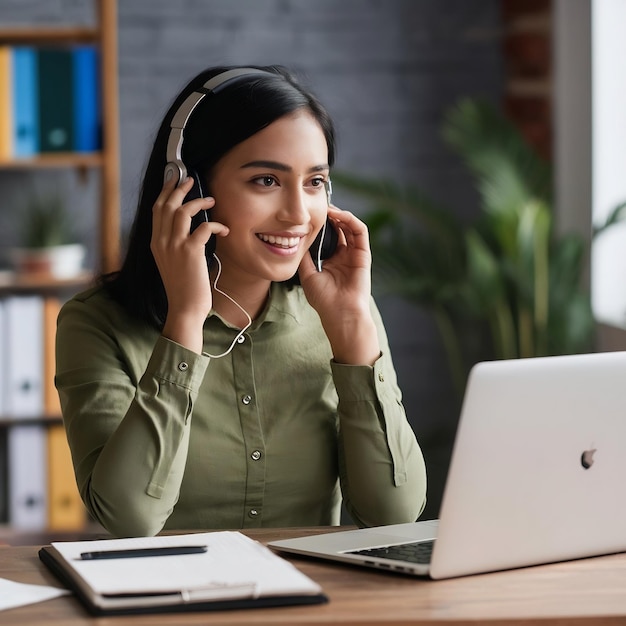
[{"x": 386, "y": 69}]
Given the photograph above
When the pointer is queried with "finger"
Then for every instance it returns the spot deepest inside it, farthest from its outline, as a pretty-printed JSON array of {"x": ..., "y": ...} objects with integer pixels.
[
  {"x": 354, "y": 230},
  {"x": 168, "y": 200},
  {"x": 341, "y": 234},
  {"x": 348, "y": 218},
  {"x": 206, "y": 230},
  {"x": 169, "y": 187},
  {"x": 175, "y": 218},
  {"x": 181, "y": 219},
  {"x": 176, "y": 196}
]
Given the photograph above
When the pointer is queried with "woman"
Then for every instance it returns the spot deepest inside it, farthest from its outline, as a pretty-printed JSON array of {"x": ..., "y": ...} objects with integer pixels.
[{"x": 253, "y": 386}]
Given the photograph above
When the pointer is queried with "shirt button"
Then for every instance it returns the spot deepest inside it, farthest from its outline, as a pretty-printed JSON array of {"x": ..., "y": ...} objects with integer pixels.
[
  {"x": 256, "y": 455},
  {"x": 246, "y": 399},
  {"x": 183, "y": 367},
  {"x": 241, "y": 339},
  {"x": 253, "y": 512}
]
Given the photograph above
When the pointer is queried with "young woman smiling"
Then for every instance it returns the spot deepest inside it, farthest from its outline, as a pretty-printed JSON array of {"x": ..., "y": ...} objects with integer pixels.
[{"x": 224, "y": 378}]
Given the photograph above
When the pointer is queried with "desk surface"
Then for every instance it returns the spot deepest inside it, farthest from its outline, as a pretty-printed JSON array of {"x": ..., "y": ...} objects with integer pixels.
[{"x": 589, "y": 591}]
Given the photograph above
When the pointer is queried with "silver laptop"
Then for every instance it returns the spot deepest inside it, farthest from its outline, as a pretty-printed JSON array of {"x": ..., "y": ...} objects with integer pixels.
[{"x": 535, "y": 477}]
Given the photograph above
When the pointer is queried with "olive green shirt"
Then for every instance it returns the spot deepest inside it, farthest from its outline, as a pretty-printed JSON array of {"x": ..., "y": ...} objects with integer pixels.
[{"x": 273, "y": 434}]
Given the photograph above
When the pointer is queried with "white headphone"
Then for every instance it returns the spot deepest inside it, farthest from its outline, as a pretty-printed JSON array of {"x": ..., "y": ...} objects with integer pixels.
[{"x": 175, "y": 166}]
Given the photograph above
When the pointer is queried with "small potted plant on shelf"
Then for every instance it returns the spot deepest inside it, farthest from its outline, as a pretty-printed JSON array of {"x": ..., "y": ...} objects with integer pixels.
[{"x": 48, "y": 243}]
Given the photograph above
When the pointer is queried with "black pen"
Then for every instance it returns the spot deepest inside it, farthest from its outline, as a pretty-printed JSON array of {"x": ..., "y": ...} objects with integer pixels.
[{"x": 141, "y": 552}]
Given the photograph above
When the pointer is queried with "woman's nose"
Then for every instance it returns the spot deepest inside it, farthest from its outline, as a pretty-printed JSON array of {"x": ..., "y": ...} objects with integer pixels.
[{"x": 295, "y": 207}]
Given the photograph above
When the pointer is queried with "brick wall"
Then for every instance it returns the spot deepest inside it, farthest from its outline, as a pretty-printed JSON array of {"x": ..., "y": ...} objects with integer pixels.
[{"x": 527, "y": 48}]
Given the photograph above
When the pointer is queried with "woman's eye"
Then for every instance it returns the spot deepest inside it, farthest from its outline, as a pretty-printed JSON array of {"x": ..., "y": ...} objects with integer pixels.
[
  {"x": 317, "y": 182},
  {"x": 266, "y": 181}
]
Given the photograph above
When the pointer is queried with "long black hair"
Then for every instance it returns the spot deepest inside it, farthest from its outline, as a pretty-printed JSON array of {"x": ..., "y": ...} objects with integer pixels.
[{"x": 217, "y": 125}]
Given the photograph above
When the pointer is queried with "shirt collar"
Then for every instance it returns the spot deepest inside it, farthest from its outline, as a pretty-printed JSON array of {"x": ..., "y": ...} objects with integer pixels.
[{"x": 284, "y": 302}]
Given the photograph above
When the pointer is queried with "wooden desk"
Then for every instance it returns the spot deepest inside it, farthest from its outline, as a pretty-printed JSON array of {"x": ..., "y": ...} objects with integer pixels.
[{"x": 590, "y": 591}]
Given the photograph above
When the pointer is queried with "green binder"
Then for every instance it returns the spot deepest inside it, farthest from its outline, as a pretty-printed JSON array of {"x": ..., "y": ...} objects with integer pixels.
[{"x": 56, "y": 107}]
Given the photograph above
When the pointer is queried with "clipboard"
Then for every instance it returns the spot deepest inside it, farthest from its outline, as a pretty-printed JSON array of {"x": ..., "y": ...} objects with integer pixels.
[{"x": 235, "y": 572}]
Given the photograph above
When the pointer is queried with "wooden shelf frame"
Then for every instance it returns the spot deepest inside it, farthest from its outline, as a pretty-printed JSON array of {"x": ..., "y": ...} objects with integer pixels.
[
  {"x": 24, "y": 35},
  {"x": 44, "y": 283},
  {"x": 44, "y": 420},
  {"x": 110, "y": 187},
  {"x": 53, "y": 160}
]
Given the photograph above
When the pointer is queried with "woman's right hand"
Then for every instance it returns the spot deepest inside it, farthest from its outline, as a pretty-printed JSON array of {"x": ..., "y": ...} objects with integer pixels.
[{"x": 181, "y": 260}]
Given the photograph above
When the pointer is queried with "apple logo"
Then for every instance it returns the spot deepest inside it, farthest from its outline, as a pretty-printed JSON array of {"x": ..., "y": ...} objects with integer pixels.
[{"x": 586, "y": 459}]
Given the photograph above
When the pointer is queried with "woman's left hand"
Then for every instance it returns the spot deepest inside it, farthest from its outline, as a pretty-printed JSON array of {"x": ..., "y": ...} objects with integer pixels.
[{"x": 341, "y": 292}]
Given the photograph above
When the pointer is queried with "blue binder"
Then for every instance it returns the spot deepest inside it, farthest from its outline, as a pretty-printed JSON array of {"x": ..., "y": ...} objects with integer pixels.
[
  {"x": 25, "y": 102},
  {"x": 86, "y": 93}
]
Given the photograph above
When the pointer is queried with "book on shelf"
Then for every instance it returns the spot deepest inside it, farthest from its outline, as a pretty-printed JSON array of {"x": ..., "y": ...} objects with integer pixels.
[
  {"x": 4, "y": 484},
  {"x": 23, "y": 336},
  {"x": 4, "y": 478},
  {"x": 6, "y": 103},
  {"x": 25, "y": 102},
  {"x": 23, "y": 399},
  {"x": 38, "y": 487},
  {"x": 228, "y": 571},
  {"x": 65, "y": 506},
  {"x": 86, "y": 81},
  {"x": 51, "y": 309},
  {"x": 49, "y": 100},
  {"x": 56, "y": 102},
  {"x": 26, "y": 469},
  {"x": 3, "y": 365}
]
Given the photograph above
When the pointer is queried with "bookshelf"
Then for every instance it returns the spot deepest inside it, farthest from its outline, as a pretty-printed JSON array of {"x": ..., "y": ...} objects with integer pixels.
[
  {"x": 104, "y": 36},
  {"x": 64, "y": 509}
]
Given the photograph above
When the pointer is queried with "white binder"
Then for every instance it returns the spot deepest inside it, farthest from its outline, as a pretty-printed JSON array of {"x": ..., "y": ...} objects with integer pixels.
[
  {"x": 3, "y": 350},
  {"x": 27, "y": 477},
  {"x": 23, "y": 361},
  {"x": 23, "y": 399}
]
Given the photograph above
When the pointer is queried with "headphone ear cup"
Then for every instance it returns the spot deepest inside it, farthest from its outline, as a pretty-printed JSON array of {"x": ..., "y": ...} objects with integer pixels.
[
  {"x": 202, "y": 216},
  {"x": 195, "y": 193},
  {"x": 174, "y": 169},
  {"x": 329, "y": 243},
  {"x": 323, "y": 249}
]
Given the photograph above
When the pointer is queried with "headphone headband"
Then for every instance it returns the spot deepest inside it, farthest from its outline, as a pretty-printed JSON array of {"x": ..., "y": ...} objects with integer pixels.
[{"x": 175, "y": 165}]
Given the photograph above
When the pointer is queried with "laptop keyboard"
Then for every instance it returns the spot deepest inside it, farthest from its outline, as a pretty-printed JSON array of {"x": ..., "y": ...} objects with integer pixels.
[{"x": 418, "y": 552}]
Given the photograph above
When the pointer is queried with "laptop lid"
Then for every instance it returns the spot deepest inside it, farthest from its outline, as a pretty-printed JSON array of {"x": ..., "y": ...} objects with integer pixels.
[
  {"x": 539, "y": 453},
  {"x": 538, "y": 459}
]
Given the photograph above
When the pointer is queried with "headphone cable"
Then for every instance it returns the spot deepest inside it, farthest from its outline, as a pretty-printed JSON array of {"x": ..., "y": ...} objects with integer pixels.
[{"x": 244, "y": 329}]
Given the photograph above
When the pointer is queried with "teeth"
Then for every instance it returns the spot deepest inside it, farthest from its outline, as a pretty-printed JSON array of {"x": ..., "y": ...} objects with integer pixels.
[{"x": 283, "y": 242}]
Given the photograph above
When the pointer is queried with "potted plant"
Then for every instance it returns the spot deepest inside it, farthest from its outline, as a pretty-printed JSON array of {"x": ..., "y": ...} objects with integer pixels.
[
  {"x": 47, "y": 243},
  {"x": 506, "y": 285}
]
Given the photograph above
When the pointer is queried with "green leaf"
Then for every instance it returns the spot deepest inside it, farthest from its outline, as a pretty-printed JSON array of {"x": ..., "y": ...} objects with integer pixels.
[
  {"x": 46, "y": 223},
  {"x": 617, "y": 215}
]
